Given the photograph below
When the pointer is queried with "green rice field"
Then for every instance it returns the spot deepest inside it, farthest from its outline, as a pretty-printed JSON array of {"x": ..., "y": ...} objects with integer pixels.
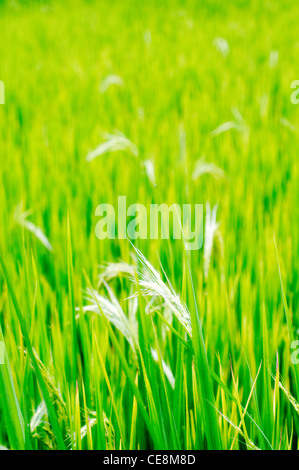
[{"x": 141, "y": 344}]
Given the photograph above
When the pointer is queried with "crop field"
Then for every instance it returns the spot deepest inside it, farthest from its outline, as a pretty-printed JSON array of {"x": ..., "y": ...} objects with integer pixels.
[{"x": 114, "y": 333}]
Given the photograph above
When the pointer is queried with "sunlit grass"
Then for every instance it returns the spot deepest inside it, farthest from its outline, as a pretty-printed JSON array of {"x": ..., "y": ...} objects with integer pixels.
[{"x": 109, "y": 347}]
